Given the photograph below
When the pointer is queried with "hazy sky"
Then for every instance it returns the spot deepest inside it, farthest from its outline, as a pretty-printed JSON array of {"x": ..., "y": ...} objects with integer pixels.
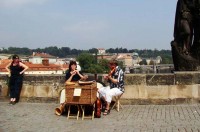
[{"x": 86, "y": 24}]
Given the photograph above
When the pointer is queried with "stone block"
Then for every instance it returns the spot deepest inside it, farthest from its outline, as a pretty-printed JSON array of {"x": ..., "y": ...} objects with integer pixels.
[
  {"x": 195, "y": 91},
  {"x": 131, "y": 91},
  {"x": 41, "y": 91},
  {"x": 135, "y": 79},
  {"x": 196, "y": 78},
  {"x": 29, "y": 80},
  {"x": 198, "y": 92},
  {"x": 3, "y": 90},
  {"x": 180, "y": 91},
  {"x": 4, "y": 78},
  {"x": 44, "y": 79},
  {"x": 52, "y": 92},
  {"x": 185, "y": 78},
  {"x": 27, "y": 91},
  {"x": 157, "y": 92},
  {"x": 160, "y": 79},
  {"x": 142, "y": 91}
]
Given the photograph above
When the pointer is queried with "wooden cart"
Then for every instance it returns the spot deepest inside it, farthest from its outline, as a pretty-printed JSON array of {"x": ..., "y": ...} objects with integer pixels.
[{"x": 80, "y": 95}]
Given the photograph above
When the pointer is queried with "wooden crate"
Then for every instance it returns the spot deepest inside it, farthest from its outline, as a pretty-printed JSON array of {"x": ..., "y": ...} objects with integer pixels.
[{"x": 88, "y": 94}]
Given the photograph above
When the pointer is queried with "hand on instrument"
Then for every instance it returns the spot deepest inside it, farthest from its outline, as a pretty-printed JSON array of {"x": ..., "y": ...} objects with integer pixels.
[
  {"x": 85, "y": 77},
  {"x": 73, "y": 73},
  {"x": 105, "y": 77}
]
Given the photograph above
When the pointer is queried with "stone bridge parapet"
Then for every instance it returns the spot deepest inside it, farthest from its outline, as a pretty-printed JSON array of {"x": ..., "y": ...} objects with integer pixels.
[{"x": 173, "y": 88}]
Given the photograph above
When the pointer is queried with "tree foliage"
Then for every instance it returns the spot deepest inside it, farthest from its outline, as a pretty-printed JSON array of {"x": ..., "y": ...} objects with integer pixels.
[
  {"x": 66, "y": 52},
  {"x": 86, "y": 60},
  {"x": 104, "y": 65}
]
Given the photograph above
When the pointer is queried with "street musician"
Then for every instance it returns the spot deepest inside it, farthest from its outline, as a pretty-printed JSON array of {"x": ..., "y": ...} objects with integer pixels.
[
  {"x": 72, "y": 75},
  {"x": 116, "y": 81}
]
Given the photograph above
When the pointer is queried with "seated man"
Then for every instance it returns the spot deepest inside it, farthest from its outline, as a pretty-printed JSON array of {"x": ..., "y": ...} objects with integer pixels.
[{"x": 116, "y": 80}]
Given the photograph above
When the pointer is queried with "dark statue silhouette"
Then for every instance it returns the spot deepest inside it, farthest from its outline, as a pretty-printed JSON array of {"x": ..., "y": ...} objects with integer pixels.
[{"x": 186, "y": 43}]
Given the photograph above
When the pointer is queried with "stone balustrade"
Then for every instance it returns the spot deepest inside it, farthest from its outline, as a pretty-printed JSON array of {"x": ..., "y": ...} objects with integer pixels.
[{"x": 173, "y": 88}]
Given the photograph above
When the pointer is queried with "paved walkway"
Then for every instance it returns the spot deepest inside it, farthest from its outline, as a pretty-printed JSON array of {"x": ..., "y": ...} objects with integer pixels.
[{"x": 40, "y": 117}]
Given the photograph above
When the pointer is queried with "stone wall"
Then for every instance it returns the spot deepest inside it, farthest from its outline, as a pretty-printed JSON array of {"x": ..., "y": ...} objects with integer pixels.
[{"x": 178, "y": 87}]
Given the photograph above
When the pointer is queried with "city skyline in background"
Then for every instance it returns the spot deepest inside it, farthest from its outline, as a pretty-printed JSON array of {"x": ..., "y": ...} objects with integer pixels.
[{"x": 139, "y": 24}]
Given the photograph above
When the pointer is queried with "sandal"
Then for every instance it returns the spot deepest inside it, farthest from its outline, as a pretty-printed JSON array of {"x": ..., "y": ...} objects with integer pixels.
[
  {"x": 106, "y": 112},
  {"x": 103, "y": 107},
  {"x": 13, "y": 102}
]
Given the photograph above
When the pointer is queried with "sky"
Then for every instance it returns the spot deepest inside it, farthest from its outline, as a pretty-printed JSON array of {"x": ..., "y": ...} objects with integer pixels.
[{"x": 86, "y": 24}]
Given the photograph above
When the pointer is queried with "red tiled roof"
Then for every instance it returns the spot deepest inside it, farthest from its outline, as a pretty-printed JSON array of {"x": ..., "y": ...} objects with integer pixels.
[
  {"x": 3, "y": 64},
  {"x": 5, "y": 61},
  {"x": 34, "y": 67},
  {"x": 41, "y": 67}
]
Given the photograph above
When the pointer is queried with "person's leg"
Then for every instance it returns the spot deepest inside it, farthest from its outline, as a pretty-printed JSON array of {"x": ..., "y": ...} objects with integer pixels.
[
  {"x": 17, "y": 87},
  {"x": 112, "y": 92},
  {"x": 12, "y": 89},
  {"x": 99, "y": 85},
  {"x": 102, "y": 91},
  {"x": 102, "y": 94},
  {"x": 62, "y": 96}
]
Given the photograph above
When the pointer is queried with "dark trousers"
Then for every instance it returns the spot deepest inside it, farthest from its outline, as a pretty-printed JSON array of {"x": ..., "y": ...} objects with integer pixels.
[{"x": 15, "y": 86}]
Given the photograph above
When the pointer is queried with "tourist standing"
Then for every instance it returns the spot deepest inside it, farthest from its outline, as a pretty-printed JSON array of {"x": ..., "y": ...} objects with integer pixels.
[{"x": 16, "y": 70}]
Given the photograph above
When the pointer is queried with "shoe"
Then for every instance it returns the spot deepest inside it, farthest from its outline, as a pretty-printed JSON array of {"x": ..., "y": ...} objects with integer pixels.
[
  {"x": 106, "y": 112},
  {"x": 103, "y": 106},
  {"x": 10, "y": 103},
  {"x": 13, "y": 102}
]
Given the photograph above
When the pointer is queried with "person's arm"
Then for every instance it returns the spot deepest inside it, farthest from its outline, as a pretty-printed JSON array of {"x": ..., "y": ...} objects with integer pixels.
[
  {"x": 119, "y": 78},
  {"x": 79, "y": 73},
  {"x": 82, "y": 77},
  {"x": 8, "y": 68},
  {"x": 69, "y": 76},
  {"x": 112, "y": 79},
  {"x": 24, "y": 66}
]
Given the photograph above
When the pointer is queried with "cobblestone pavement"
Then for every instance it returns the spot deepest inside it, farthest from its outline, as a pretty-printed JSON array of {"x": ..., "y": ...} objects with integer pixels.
[{"x": 40, "y": 117}]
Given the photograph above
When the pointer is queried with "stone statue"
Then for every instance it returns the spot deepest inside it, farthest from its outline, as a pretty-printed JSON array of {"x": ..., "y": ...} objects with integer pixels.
[{"x": 186, "y": 43}]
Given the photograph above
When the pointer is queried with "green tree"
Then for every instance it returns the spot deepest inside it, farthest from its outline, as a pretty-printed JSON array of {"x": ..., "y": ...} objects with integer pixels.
[
  {"x": 86, "y": 60},
  {"x": 93, "y": 50},
  {"x": 151, "y": 62},
  {"x": 104, "y": 65},
  {"x": 65, "y": 51},
  {"x": 94, "y": 68},
  {"x": 143, "y": 62},
  {"x": 53, "y": 50},
  {"x": 120, "y": 64},
  {"x": 167, "y": 60}
]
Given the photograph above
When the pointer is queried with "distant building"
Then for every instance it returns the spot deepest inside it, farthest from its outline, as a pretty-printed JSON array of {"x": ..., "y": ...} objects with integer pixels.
[
  {"x": 44, "y": 68},
  {"x": 158, "y": 60},
  {"x": 101, "y": 51},
  {"x": 148, "y": 60},
  {"x": 37, "y": 58},
  {"x": 125, "y": 58},
  {"x": 4, "y": 56},
  {"x": 136, "y": 59},
  {"x": 105, "y": 56}
]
